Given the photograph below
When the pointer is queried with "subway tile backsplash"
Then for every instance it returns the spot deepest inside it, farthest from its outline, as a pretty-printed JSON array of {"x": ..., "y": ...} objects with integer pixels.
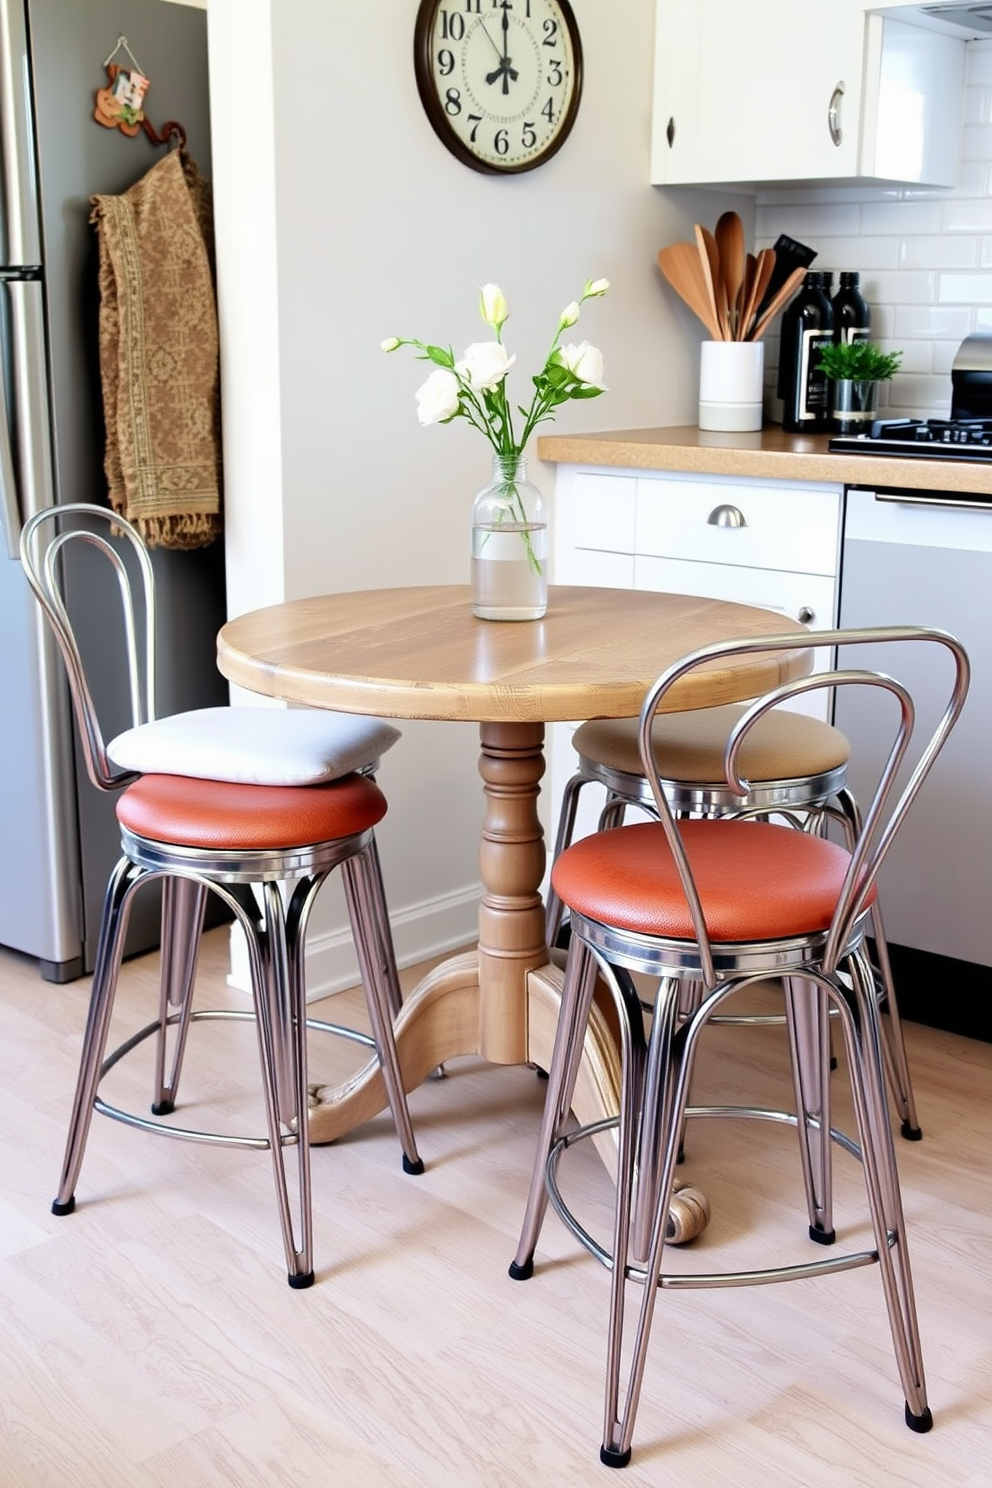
[{"x": 925, "y": 257}]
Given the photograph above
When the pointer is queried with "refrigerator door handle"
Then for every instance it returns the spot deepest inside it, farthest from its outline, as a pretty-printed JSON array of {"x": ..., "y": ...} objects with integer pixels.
[
  {"x": 10, "y": 513},
  {"x": 20, "y": 243},
  {"x": 26, "y": 468}
]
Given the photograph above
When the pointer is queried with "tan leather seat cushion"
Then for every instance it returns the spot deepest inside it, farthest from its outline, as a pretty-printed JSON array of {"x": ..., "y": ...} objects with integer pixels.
[{"x": 689, "y": 746}]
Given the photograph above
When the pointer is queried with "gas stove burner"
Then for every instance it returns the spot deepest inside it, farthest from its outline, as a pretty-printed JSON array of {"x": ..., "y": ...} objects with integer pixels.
[
  {"x": 936, "y": 438},
  {"x": 935, "y": 430}
]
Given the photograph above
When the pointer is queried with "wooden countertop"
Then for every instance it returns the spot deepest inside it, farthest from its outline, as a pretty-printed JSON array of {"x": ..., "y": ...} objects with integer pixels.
[{"x": 768, "y": 454}]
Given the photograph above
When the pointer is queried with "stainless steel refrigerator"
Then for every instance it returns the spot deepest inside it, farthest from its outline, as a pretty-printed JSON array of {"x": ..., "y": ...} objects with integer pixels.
[{"x": 58, "y": 835}]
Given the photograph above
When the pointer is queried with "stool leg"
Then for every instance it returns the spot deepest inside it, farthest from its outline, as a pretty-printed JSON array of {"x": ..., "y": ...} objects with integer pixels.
[
  {"x": 553, "y": 909},
  {"x": 183, "y": 904},
  {"x": 893, "y": 1044},
  {"x": 386, "y": 957},
  {"x": 808, "y": 1020},
  {"x": 657, "y": 1118},
  {"x": 124, "y": 880},
  {"x": 860, "y": 1021},
  {"x": 276, "y": 962},
  {"x": 573, "y": 1015},
  {"x": 669, "y": 1060},
  {"x": 377, "y": 963}
]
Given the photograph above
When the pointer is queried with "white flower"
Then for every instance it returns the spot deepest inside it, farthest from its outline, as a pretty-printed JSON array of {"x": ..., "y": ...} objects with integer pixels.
[
  {"x": 568, "y": 316},
  {"x": 492, "y": 305},
  {"x": 390, "y": 343},
  {"x": 595, "y": 287},
  {"x": 584, "y": 362},
  {"x": 484, "y": 364},
  {"x": 437, "y": 398}
]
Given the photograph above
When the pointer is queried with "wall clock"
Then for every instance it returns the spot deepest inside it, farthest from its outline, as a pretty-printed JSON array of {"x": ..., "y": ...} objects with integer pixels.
[{"x": 500, "y": 80}]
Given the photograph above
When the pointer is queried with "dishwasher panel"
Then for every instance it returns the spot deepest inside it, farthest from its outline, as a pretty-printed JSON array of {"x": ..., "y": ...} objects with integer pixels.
[{"x": 917, "y": 560}]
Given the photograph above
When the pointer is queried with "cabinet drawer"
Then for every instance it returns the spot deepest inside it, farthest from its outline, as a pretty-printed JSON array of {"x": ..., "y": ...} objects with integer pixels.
[
  {"x": 601, "y": 512},
  {"x": 598, "y": 570},
  {"x": 783, "y": 593},
  {"x": 779, "y": 527},
  {"x": 770, "y": 589}
]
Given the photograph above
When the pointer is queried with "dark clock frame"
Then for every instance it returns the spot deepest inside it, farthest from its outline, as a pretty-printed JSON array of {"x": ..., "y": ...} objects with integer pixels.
[{"x": 423, "y": 32}]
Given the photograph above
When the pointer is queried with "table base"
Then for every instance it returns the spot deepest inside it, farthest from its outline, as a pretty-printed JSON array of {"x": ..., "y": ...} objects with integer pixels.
[{"x": 440, "y": 1020}]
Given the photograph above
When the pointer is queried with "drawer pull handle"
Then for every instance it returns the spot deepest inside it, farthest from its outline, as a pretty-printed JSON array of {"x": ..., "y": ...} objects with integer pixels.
[
  {"x": 806, "y": 616},
  {"x": 726, "y": 516}
]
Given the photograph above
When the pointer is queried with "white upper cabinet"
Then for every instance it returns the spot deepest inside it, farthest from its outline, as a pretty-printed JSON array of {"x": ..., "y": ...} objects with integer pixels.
[{"x": 753, "y": 92}]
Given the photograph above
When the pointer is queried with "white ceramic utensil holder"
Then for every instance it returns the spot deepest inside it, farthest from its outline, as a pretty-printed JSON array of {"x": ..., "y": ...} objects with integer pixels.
[{"x": 731, "y": 380}]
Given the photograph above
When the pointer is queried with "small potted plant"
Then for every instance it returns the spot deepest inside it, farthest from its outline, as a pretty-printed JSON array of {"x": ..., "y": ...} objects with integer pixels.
[{"x": 855, "y": 368}]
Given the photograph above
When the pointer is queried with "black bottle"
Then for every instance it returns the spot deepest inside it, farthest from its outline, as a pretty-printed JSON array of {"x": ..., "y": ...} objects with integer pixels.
[
  {"x": 807, "y": 327},
  {"x": 852, "y": 317}
]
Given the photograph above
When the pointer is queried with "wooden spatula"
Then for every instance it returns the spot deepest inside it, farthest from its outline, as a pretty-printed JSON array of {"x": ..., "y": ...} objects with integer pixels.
[
  {"x": 778, "y": 300},
  {"x": 732, "y": 253},
  {"x": 681, "y": 266},
  {"x": 764, "y": 267},
  {"x": 709, "y": 258}
]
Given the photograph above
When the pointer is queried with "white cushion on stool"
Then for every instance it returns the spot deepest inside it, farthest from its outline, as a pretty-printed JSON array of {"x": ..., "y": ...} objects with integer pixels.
[{"x": 254, "y": 746}]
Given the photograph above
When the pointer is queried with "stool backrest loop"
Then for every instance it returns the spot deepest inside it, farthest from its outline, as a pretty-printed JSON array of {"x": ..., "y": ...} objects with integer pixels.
[
  {"x": 881, "y": 817},
  {"x": 44, "y": 540}
]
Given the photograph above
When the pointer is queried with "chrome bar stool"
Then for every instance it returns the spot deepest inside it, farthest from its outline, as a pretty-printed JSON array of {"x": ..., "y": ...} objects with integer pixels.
[
  {"x": 726, "y": 903},
  {"x": 257, "y": 806},
  {"x": 797, "y": 768}
]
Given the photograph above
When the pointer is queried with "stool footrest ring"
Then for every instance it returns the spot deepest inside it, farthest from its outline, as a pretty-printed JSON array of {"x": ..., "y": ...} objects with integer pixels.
[{"x": 849, "y": 1261}]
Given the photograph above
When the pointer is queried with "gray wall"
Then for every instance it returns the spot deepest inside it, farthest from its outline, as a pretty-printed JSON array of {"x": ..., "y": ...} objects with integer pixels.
[{"x": 342, "y": 220}]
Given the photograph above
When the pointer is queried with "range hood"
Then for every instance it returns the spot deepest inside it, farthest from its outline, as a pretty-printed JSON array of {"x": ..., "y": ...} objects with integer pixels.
[{"x": 969, "y": 20}]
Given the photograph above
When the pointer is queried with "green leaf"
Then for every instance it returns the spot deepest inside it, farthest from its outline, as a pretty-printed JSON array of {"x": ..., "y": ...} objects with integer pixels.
[
  {"x": 858, "y": 361},
  {"x": 443, "y": 356}
]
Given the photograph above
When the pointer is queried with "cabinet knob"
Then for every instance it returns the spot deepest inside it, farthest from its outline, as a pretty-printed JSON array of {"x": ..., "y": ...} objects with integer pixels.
[
  {"x": 670, "y": 133},
  {"x": 726, "y": 516},
  {"x": 806, "y": 616},
  {"x": 833, "y": 115}
]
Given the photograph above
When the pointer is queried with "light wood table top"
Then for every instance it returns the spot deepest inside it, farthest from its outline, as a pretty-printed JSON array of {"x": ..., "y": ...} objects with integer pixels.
[{"x": 420, "y": 653}]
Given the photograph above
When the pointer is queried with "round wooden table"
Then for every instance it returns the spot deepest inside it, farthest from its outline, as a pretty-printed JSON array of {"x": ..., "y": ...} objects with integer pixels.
[{"x": 420, "y": 653}]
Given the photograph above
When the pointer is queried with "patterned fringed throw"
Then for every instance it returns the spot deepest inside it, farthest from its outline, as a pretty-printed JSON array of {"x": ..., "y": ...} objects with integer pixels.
[{"x": 159, "y": 356}]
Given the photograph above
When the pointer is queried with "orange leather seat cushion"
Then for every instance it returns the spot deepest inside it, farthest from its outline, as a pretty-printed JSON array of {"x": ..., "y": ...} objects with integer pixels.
[
  {"x": 689, "y": 746},
  {"x": 219, "y": 814},
  {"x": 756, "y": 881}
]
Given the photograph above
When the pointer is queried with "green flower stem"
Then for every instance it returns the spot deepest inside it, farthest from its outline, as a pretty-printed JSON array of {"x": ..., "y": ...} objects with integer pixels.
[
  {"x": 488, "y": 409},
  {"x": 508, "y": 489}
]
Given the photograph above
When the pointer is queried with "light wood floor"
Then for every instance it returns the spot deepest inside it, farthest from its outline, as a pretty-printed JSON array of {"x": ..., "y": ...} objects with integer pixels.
[{"x": 150, "y": 1339}]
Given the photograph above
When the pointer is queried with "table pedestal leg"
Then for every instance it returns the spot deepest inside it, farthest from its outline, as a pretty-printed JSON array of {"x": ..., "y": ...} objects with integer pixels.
[
  {"x": 512, "y": 859},
  {"x": 475, "y": 1003}
]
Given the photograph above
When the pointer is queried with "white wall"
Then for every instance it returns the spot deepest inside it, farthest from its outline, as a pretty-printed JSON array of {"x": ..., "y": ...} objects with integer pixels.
[
  {"x": 925, "y": 256},
  {"x": 341, "y": 219}
]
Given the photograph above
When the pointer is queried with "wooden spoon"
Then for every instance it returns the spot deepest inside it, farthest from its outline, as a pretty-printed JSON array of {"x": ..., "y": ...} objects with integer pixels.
[
  {"x": 747, "y": 284},
  {"x": 709, "y": 258},
  {"x": 681, "y": 266},
  {"x": 763, "y": 272},
  {"x": 732, "y": 253},
  {"x": 778, "y": 300}
]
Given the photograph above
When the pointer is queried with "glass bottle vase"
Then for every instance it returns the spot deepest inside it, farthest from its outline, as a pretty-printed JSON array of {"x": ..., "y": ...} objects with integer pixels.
[{"x": 509, "y": 545}]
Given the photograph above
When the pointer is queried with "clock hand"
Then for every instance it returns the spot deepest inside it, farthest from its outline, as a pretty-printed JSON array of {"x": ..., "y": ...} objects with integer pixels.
[
  {"x": 504, "y": 70},
  {"x": 482, "y": 23},
  {"x": 505, "y": 67}
]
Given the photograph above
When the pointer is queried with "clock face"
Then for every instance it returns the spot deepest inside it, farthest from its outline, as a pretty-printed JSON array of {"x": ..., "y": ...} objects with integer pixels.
[{"x": 499, "y": 79}]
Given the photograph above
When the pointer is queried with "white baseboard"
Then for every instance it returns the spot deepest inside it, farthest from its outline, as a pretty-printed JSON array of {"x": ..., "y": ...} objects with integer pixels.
[{"x": 420, "y": 931}]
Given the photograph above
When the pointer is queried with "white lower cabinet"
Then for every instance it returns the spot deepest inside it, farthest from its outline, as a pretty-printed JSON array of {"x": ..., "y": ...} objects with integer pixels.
[
  {"x": 806, "y": 597},
  {"x": 775, "y": 545}
]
